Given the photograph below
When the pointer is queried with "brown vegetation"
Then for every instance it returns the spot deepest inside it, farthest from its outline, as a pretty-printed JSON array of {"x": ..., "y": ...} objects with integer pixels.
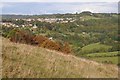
[
  {"x": 23, "y": 36},
  {"x": 39, "y": 39}
]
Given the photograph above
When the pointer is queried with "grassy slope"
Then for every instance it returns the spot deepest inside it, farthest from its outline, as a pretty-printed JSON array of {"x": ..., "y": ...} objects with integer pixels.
[
  {"x": 89, "y": 17},
  {"x": 110, "y": 60},
  {"x": 21, "y": 60},
  {"x": 105, "y": 54},
  {"x": 95, "y": 46},
  {"x": 111, "y": 57}
]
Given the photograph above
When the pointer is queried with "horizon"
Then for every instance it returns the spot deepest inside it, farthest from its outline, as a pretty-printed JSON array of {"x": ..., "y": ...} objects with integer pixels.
[
  {"x": 50, "y": 14},
  {"x": 49, "y": 8}
]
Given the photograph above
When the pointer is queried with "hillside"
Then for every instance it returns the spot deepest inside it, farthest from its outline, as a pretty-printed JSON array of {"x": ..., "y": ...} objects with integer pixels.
[
  {"x": 95, "y": 47},
  {"x": 21, "y": 61}
]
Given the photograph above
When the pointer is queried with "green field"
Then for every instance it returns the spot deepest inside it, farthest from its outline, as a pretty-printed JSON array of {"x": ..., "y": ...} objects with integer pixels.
[
  {"x": 95, "y": 47},
  {"x": 109, "y": 60},
  {"x": 105, "y": 54},
  {"x": 89, "y": 17},
  {"x": 108, "y": 57}
]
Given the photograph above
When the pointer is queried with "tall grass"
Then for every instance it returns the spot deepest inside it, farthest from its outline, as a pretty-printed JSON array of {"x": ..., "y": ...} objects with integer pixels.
[{"x": 27, "y": 61}]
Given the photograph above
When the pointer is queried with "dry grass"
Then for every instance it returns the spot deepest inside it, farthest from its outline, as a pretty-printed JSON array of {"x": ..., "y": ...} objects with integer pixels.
[{"x": 26, "y": 61}]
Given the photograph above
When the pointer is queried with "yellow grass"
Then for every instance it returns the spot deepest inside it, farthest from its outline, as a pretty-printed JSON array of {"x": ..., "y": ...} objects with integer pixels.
[{"x": 26, "y": 61}]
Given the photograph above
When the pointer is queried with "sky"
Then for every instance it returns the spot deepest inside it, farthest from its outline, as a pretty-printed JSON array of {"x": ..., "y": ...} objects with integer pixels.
[
  {"x": 50, "y": 7},
  {"x": 59, "y": 0}
]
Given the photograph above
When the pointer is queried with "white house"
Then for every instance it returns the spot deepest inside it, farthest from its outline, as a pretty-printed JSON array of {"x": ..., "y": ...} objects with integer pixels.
[
  {"x": 50, "y": 38},
  {"x": 34, "y": 26}
]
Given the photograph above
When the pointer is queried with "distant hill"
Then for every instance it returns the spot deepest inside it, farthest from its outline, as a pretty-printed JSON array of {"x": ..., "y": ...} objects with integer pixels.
[
  {"x": 67, "y": 15},
  {"x": 26, "y": 61}
]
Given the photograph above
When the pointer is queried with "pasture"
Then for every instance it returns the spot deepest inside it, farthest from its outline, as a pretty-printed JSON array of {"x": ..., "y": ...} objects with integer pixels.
[
  {"x": 106, "y": 57},
  {"x": 95, "y": 47}
]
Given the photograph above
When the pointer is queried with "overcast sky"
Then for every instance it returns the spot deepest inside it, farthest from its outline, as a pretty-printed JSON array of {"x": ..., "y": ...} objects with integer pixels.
[
  {"x": 49, "y": 7},
  {"x": 59, "y": 0}
]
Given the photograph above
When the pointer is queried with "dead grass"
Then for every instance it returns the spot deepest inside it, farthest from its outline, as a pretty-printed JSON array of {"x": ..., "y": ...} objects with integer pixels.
[{"x": 26, "y": 61}]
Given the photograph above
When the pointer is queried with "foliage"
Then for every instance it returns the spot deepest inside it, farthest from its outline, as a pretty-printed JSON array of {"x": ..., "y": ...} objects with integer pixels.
[
  {"x": 66, "y": 48},
  {"x": 22, "y": 36},
  {"x": 39, "y": 39},
  {"x": 25, "y": 36},
  {"x": 99, "y": 29},
  {"x": 51, "y": 45}
]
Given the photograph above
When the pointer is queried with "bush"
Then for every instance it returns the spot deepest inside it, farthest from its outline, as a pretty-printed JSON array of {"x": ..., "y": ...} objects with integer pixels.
[
  {"x": 25, "y": 36},
  {"x": 21, "y": 36},
  {"x": 66, "y": 48},
  {"x": 39, "y": 39},
  {"x": 51, "y": 45},
  {"x": 5, "y": 31}
]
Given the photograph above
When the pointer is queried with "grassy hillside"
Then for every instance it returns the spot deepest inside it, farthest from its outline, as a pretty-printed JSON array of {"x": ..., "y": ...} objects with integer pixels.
[
  {"x": 21, "y": 60},
  {"x": 105, "y": 54},
  {"x": 106, "y": 57},
  {"x": 95, "y": 47},
  {"x": 89, "y": 17},
  {"x": 109, "y": 60}
]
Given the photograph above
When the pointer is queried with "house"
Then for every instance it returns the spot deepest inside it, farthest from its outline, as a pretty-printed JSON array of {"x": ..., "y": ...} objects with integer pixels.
[
  {"x": 50, "y": 38},
  {"x": 83, "y": 33},
  {"x": 34, "y": 26},
  {"x": 23, "y": 26},
  {"x": 17, "y": 26}
]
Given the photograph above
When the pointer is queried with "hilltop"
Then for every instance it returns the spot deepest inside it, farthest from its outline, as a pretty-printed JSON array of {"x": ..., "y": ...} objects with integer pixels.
[{"x": 27, "y": 61}]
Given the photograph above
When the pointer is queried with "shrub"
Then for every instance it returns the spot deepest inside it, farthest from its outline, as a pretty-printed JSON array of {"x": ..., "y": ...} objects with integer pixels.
[
  {"x": 51, "y": 45},
  {"x": 66, "y": 48},
  {"x": 39, "y": 39},
  {"x": 22, "y": 36},
  {"x": 5, "y": 31}
]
